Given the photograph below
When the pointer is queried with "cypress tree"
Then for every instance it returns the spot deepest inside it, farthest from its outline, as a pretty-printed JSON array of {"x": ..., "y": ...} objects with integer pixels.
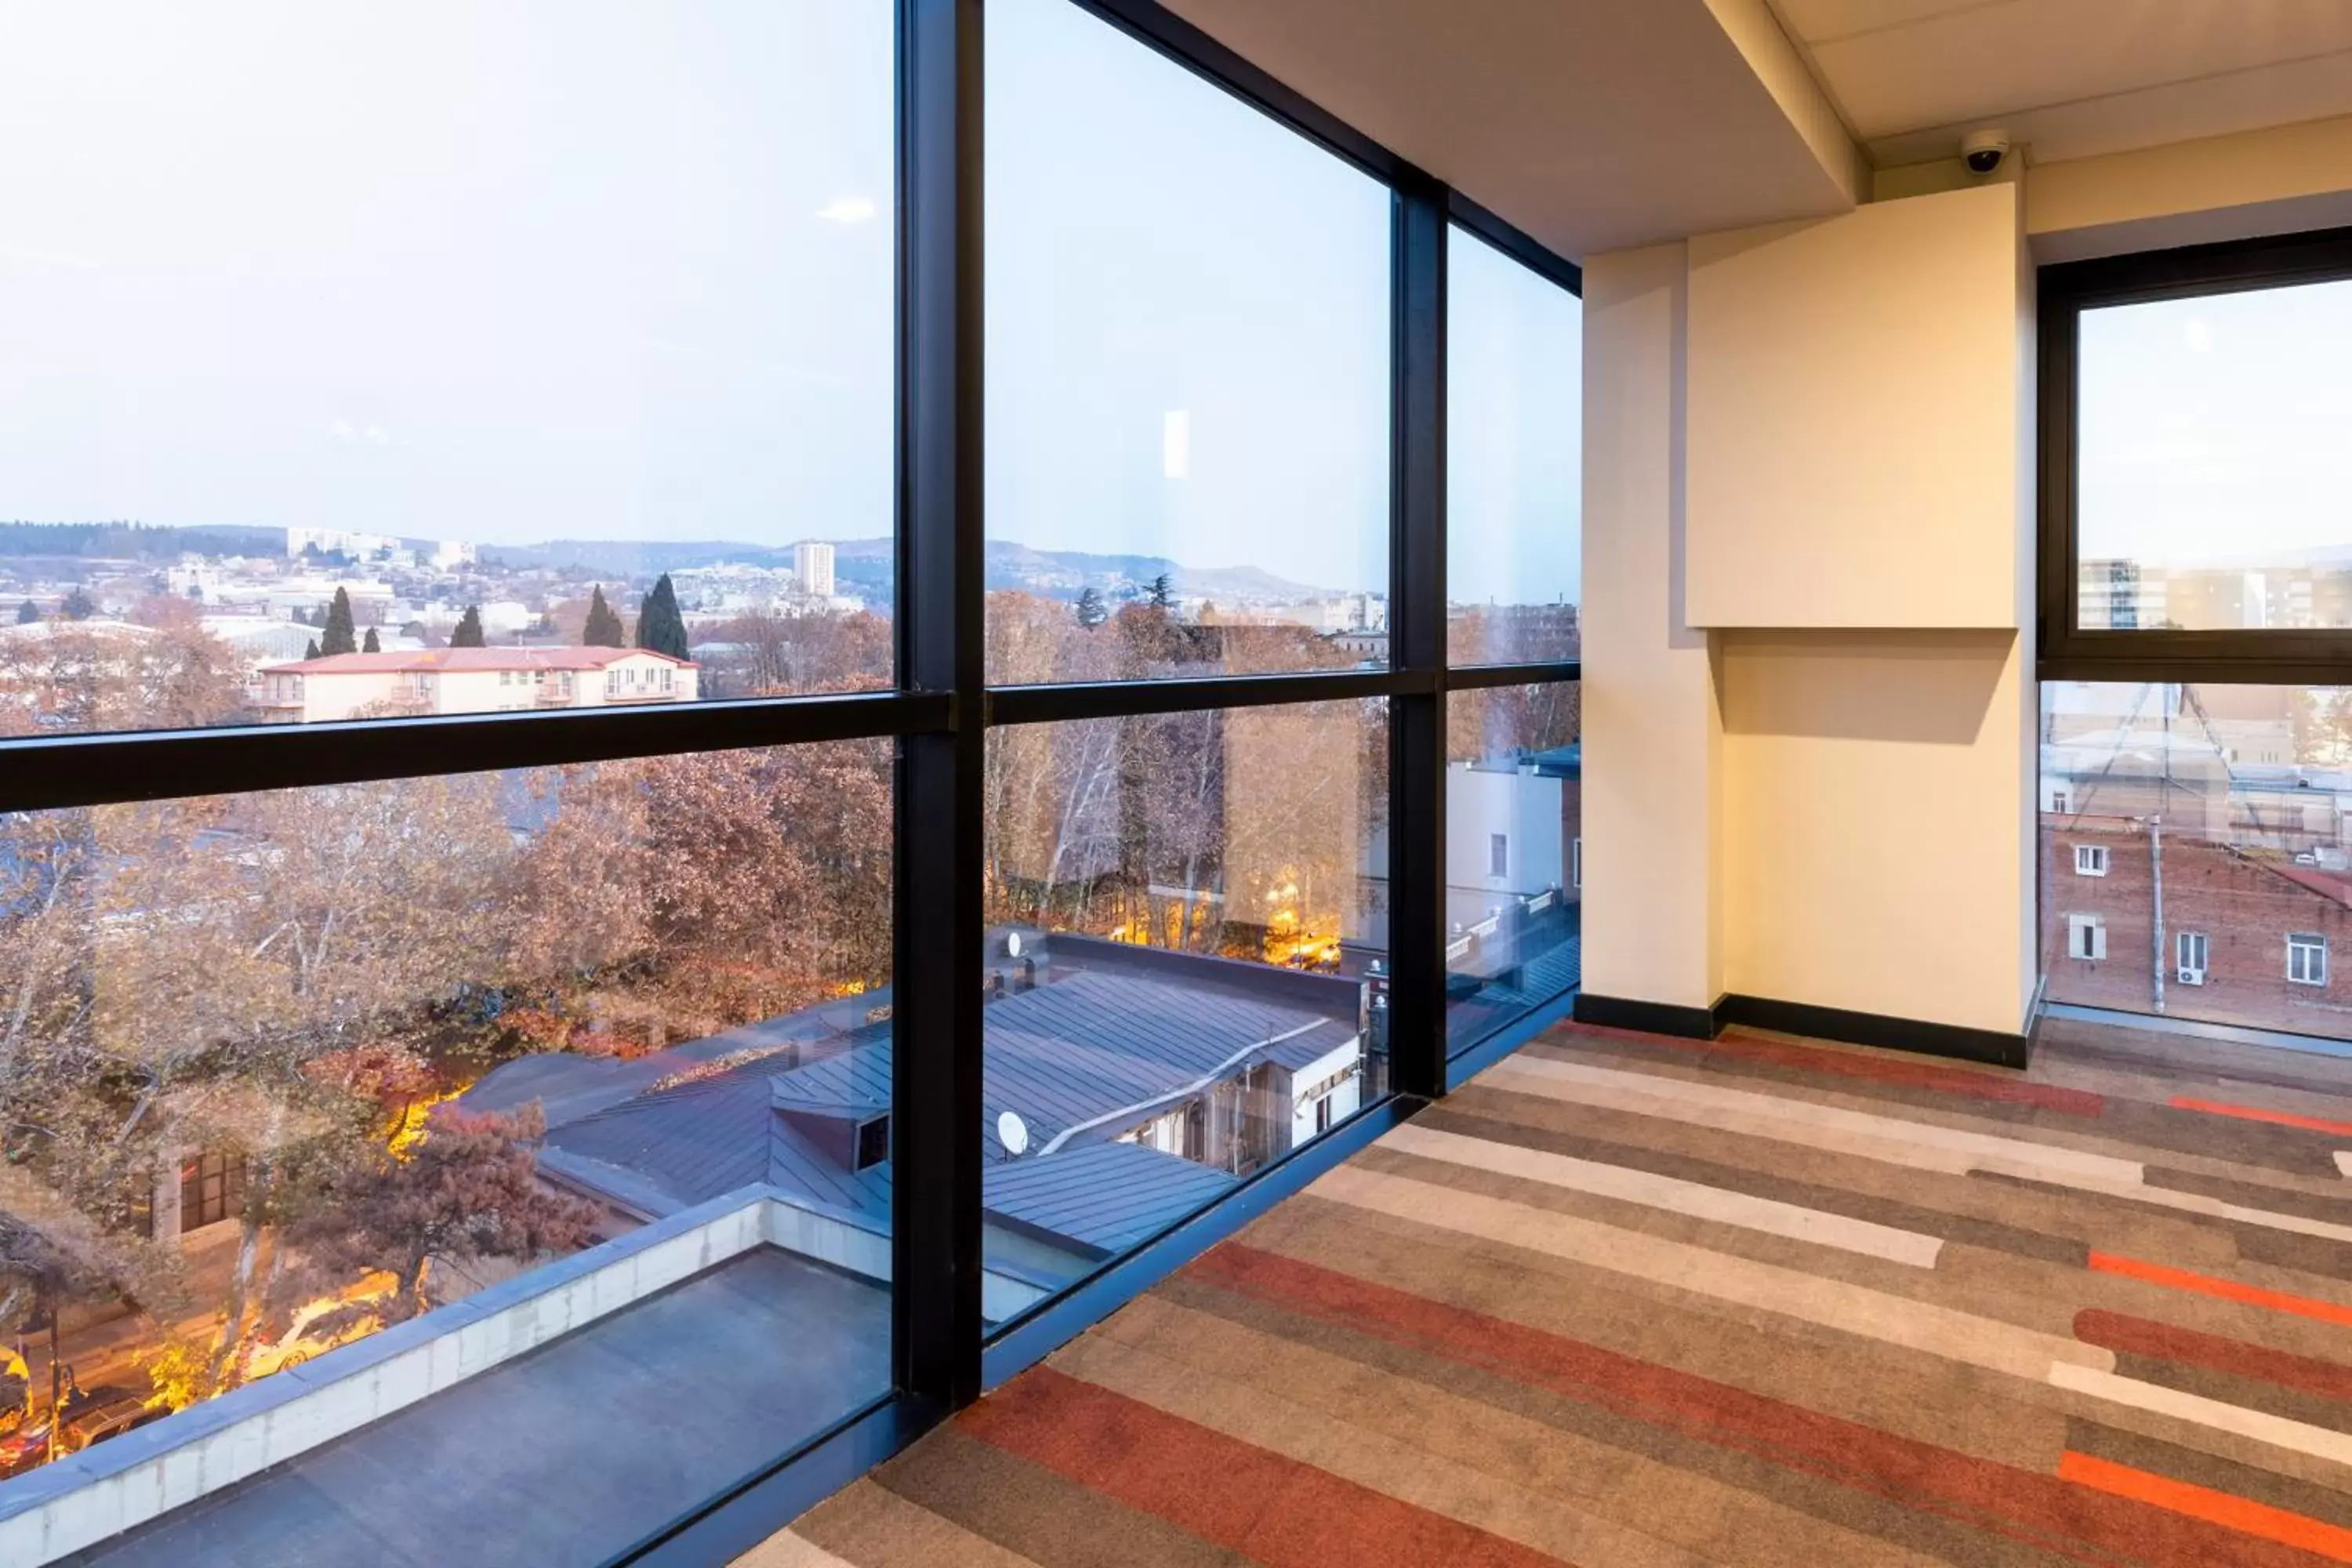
[
  {"x": 372, "y": 645},
  {"x": 314, "y": 649},
  {"x": 660, "y": 627},
  {"x": 604, "y": 628},
  {"x": 469, "y": 628},
  {"x": 27, "y": 614},
  {"x": 341, "y": 636}
]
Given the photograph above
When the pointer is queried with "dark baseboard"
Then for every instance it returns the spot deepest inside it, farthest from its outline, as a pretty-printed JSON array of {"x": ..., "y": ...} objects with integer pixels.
[
  {"x": 1649, "y": 1018},
  {"x": 1996, "y": 1047},
  {"x": 1991, "y": 1045}
]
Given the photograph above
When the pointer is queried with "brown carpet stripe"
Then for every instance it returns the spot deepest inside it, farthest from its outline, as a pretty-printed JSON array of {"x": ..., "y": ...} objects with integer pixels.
[{"x": 1631, "y": 1302}]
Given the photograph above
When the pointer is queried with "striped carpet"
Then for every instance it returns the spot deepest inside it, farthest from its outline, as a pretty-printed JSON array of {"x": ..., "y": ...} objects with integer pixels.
[{"x": 1633, "y": 1302}]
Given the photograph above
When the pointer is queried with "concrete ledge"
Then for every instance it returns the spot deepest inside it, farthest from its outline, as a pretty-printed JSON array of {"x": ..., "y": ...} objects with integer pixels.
[
  {"x": 127, "y": 1480},
  {"x": 62, "y": 1508}
]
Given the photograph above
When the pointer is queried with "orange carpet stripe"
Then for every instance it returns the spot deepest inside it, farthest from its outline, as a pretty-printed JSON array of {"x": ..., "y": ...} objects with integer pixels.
[
  {"x": 2256, "y": 1114},
  {"x": 2226, "y": 1290},
  {"x": 2247, "y": 1518}
]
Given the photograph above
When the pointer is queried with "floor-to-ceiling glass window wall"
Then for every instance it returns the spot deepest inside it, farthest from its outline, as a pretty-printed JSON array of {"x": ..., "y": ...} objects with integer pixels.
[{"x": 2192, "y": 848}]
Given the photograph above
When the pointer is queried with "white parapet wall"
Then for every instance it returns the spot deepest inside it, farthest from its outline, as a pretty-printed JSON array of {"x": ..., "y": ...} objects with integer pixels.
[{"x": 126, "y": 1481}]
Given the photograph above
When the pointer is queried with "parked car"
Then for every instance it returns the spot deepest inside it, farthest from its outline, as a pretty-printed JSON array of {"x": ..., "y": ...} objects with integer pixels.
[
  {"x": 117, "y": 1413},
  {"x": 24, "y": 1447}
]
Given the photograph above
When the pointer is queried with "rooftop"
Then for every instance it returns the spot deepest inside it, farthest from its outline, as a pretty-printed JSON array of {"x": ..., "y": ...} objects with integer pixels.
[{"x": 571, "y": 1453}]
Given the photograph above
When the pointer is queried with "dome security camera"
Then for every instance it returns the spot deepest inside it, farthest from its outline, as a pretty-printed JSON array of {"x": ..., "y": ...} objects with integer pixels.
[{"x": 1984, "y": 150}]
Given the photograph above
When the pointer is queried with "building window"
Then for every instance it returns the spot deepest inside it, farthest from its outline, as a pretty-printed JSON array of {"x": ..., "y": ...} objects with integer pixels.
[
  {"x": 2090, "y": 859},
  {"x": 1498, "y": 854},
  {"x": 2086, "y": 937},
  {"x": 2306, "y": 959},
  {"x": 2190, "y": 950},
  {"x": 2062, "y": 799},
  {"x": 211, "y": 1189}
]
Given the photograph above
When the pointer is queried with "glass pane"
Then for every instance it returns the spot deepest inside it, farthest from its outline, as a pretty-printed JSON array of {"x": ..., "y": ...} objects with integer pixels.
[
  {"x": 2205, "y": 829},
  {"x": 1188, "y": 372},
  {"x": 1514, "y": 854},
  {"x": 1186, "y": 954},
  {"x": 2212, "y": 465},
  {"x": 481, "y": 1060},
  {"x": 364, "y": 362},
  {"x": 1514, "y": 458}
]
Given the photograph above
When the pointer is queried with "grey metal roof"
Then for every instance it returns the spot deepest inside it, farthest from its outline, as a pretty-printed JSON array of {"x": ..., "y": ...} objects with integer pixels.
[
  {"x": 566, "y": 1085},
  {"x": 1065, "y": 1053},
  {"x": 1079, "y": 1053},
  {"x": 694, "y": 1142},
  {"x": 1311, "y": 1047},
  {"x": 1108, "y": 1196}
]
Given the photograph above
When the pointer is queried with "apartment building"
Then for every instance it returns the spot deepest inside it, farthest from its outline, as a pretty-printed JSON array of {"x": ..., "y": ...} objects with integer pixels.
[{"x": 470, "y": 680}]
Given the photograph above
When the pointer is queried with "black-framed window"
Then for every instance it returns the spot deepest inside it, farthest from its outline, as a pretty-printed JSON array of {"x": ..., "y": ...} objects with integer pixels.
[
  {"x": 2188, "y": 463},
  {"x": 781, "y": 927},
  {"x": 1514, "y": 458}
]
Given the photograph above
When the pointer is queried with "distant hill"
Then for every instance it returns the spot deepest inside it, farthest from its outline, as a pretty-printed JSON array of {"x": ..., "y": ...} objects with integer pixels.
[
  {"x": 135, "y": 540},
  {"x": 868, "y": 567},
  {"x": 631, "y": 557}
]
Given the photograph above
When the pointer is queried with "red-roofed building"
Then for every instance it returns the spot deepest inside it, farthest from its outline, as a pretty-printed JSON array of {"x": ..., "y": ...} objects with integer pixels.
[{"x": 470, "y": 680}]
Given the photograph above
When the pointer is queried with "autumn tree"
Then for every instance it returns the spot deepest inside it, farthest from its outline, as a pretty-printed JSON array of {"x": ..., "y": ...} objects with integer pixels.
[
  {"x": 468, "y": 632},
  {"x": 661, "y": 628},
  {"x": 100, "y": 675},
  {"x": 604, "y": 628},
  {"x": 467, "y": 1191},
  {"x": 301, "y": 922},
  {"x": 341, "y": 636}
]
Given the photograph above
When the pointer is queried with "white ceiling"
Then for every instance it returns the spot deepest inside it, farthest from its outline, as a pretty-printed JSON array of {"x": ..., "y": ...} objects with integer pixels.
[
  {"x": 1591, "y": 124},
  {"x": 2072, "y": 78}
]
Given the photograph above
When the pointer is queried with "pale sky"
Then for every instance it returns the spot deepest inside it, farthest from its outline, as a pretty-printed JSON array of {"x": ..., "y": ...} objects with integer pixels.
[
  {"x": 2219, "y": 428},
  {"x": 510, "y": 270}
]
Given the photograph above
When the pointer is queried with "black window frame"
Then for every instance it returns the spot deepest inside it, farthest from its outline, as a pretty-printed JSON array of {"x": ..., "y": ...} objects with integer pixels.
[
  {"x": 2067, "y": 652},
  {"x": 941, "y": 709}
]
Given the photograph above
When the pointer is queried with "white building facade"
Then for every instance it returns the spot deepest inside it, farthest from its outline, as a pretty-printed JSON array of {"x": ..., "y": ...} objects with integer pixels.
[{"x": 470, "y": 680}]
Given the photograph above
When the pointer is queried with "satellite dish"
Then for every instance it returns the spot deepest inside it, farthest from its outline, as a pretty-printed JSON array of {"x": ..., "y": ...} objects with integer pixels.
[
  {"x": 1013, "y": 1133},
  {"x": 1013, "y": 945}
]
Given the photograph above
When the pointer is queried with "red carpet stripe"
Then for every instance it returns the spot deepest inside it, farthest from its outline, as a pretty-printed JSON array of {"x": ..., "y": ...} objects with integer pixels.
[
  {"x": 2226, "y": 1290},
  {"x": 2139, "y": 1336},
  {"x": 1270, "y": 1508},
  {"x": 2246, "y": 1517},
  {"x": 2089, "y": 1526},
  {"x": 2256, "y": 1114},
  {"x": 1878, "y": 1069}
]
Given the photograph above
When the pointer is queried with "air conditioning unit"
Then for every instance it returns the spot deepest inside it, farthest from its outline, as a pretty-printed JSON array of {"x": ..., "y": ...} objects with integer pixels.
[{"x": 2192, "y": 976}]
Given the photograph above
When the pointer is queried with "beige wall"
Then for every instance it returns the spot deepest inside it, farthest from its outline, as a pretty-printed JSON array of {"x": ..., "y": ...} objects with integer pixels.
[
  {"x": 1853, "y": 387},
  {"x": 1877, "y": 841},
  {"x": 1826, "y": 797},
  {"x": 1652, "y": 744},
  {"x": 2274, "y": 181}
]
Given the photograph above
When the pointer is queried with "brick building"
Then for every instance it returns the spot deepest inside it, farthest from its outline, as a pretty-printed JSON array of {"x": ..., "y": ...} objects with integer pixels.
[{"x": 2249, "y": 935}]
